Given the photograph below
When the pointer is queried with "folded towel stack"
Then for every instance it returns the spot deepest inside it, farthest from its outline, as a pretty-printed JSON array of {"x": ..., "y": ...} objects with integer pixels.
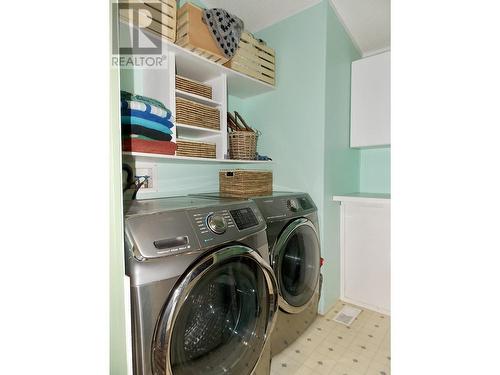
[{"x": 146, "y": 125}]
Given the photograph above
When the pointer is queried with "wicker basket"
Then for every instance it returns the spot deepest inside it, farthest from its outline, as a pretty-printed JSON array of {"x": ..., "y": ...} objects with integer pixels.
[
  {"x": 196, "y": 149},
  {"x": 196, "y": 114},
  {"x": 193, "y": 87},
  {"x": 245, "y": 183},
  {"x": 243, "y": 145},
  {"x": 160, "y": 16}
]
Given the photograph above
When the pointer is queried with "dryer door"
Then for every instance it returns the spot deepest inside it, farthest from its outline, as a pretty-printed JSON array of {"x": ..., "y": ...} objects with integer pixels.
[
  {"x": 296, "y": 260},
  {"x": 219, "y": 317}
]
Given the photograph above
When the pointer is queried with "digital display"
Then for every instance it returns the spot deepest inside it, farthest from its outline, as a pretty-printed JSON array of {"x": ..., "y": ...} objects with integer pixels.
[
  {"x": 305, "y": 204},
  {"x": 244, "y": 218}
]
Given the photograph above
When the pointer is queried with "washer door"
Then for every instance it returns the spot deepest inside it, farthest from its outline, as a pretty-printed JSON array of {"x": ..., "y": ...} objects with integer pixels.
[
  {"x": 296, "y": 261},
  {"x": 219, "y": 317}
]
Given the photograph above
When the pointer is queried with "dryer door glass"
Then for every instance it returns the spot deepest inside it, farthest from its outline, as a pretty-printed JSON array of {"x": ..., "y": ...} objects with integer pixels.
[
  {"x": 297, "y": 263},
  {"x": 222, "y": 324}
]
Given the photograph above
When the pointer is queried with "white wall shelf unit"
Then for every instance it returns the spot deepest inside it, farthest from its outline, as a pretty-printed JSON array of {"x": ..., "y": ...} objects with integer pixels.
[
  {"x": 159, "y": 83},
  {"x": 193, "y": 66}
]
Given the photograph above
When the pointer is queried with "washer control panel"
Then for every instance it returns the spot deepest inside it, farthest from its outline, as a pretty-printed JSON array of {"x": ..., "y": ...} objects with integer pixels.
[
  {"x": 218, "y": 226},
  {"x": 217, "y": 222}
]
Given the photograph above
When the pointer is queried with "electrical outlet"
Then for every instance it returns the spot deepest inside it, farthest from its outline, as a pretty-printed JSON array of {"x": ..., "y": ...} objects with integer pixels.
[{"x": 151, "y": 170}]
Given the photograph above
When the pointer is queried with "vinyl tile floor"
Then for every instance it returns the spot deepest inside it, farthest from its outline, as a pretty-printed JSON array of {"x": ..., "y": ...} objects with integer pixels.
[{"x": 331, "y": 348}]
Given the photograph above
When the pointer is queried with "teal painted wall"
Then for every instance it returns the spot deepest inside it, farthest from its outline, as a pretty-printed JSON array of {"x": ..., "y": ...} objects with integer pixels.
[
  {"x": 291, "y": 118},
  {"x": 308, "y": 116},
  {"x": 341, "y": 172},
  {"x": 375, "y": 170}
]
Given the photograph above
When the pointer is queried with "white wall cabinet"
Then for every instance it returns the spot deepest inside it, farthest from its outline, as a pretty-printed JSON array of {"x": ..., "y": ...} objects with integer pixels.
[
  {"x": 365, "y": 253},
  {"x": 371, "y": 101}
]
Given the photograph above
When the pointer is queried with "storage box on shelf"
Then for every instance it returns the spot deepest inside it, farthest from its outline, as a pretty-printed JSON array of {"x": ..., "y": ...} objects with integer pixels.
[
  {"x": 245, "y": 183},
  {"x": 160, "y": 15},
  {"x": 254, "y": 58},
  {"x": 192, "y": 148},
  {"x": 194, "y": 35},
  {"x": 193, "y": 87},
  {"x": 196, "y": 114}
]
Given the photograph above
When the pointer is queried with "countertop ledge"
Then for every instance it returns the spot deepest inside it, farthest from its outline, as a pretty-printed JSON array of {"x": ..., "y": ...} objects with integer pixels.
[{"x": 362, "y": 198}]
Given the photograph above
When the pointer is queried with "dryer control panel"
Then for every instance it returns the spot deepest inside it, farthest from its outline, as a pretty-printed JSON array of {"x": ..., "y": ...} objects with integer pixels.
[{"x": 285, "y": 206}]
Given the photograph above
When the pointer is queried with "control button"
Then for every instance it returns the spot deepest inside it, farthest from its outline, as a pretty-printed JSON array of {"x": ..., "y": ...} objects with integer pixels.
[
  {"x": 217, "y": 223},
  {"x": 292, "y": 205}
]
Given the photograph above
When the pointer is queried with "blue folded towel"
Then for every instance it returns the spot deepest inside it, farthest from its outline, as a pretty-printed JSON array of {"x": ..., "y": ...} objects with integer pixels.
[
  {"x": 148, "y": 116},
  {"x": 132, "y": 120}
]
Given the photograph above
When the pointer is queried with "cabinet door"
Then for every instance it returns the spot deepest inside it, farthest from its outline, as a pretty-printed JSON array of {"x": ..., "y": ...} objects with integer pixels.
[
  {"x": 371, "y": 101},
  {"x": 366, "y": 255}
]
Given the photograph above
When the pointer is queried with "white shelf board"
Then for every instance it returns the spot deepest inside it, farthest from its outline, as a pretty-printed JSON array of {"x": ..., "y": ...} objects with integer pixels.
[
  {"x": 141, "y": 156},
  {"x": 193, "y": 66},
  {"x": 363, "y": 198},
  {"x": 189, "y": 131},
  {"x": 197, "y": 98}
]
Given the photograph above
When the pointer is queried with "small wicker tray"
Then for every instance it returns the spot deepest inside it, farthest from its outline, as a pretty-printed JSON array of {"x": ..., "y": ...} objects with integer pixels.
[
  {"x": 245, "y": 182},
  {"x": 196, "y": 149},
  {"x": 193, "y": 87},
  {"x": 196, "y": 114}
]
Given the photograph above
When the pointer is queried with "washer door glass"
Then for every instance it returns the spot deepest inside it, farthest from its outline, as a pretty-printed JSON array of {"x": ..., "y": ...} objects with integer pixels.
[
  {"x": 222, "y": 324},
  {"x": 298, "y": 262}
]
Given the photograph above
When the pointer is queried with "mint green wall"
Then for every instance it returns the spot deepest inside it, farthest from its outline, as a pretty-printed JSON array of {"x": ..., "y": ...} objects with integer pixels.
[
  {"x": 375, "y": 170},
  {"x": 291, "y": 118},
  {"x": 341, "y": 162},
  {"x": 305, "y": 122}
]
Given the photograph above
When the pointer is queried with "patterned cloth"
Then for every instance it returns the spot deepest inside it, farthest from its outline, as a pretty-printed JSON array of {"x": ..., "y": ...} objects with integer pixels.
[
  {"x": 225, "y": 28},
  {"x": 125, "y": 95}
]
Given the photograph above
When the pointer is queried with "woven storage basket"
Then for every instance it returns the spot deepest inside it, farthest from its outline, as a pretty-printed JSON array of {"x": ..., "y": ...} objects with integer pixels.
[
  {"x": 159, "y": 16},
  {"x": 245, "y": 183},
  {"x": 195, "y": 149},
  {"x": 193, "y": 87},
  {"x": 192, "y": 113},
  {"x": 243, "y": 145}
]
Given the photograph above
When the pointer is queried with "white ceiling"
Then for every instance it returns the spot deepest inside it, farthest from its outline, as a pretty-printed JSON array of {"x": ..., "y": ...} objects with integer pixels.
[
  {"x": 258, "y": 14},
  {"x": 366, "y": 21}
]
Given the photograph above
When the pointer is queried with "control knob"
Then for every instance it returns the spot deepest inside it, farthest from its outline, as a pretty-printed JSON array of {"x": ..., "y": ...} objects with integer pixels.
[
  {"x": 216, "y": 223},
  {"x": 292, "y": 205}
]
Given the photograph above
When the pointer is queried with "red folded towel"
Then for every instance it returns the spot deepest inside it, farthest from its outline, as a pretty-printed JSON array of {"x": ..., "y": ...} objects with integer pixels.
[{"x": 150, "y": 147}]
